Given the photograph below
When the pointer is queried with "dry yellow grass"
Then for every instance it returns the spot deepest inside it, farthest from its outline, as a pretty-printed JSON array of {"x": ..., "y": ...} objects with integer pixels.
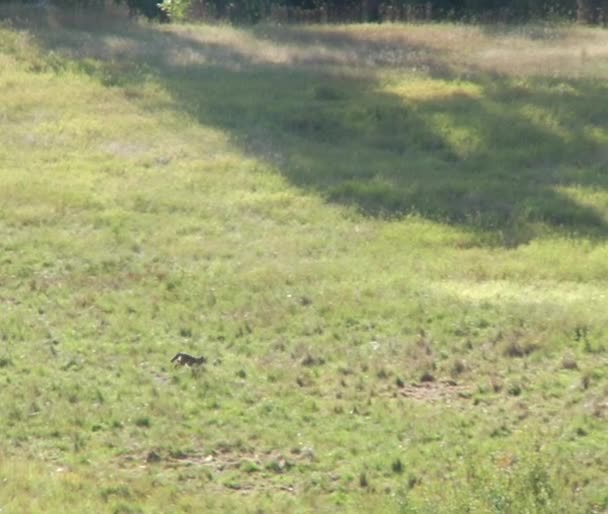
[{"x": 529, "y": 50}]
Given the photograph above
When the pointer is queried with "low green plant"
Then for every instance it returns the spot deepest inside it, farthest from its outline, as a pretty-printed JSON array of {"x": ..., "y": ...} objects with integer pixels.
[{"x": 176, "y": 9}]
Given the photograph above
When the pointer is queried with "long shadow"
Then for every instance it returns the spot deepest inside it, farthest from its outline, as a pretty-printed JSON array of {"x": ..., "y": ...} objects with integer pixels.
[{"x": 494, "y": 157}]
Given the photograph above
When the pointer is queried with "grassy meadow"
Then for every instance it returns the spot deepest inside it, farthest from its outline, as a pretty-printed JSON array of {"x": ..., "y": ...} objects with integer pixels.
[{"x": 389, "y": 241}]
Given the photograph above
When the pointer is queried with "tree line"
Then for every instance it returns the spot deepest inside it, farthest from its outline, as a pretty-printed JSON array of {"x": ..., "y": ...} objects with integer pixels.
[{"x": 247, "y": 11}]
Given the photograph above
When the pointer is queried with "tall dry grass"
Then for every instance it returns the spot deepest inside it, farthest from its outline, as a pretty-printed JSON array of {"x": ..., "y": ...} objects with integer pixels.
[{"x": 512, "y": 50}]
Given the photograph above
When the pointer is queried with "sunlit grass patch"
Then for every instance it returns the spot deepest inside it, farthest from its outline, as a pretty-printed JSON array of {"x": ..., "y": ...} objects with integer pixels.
[
  {"x": 561, "y": 301},
  {"x": 424, "y": 89}
]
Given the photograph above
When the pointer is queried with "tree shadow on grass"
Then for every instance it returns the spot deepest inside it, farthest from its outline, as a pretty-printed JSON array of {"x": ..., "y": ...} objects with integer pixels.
[{"x": 491, "y": 153}]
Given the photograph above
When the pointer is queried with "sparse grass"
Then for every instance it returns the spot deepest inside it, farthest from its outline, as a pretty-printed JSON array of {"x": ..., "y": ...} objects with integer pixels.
[{"x": 389, "y": 242}]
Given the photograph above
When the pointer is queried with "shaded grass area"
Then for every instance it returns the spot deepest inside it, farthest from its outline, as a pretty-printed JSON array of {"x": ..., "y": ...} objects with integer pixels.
[
  {"x": 421, "y": 157},
  {"x": 241, "y": 193}
]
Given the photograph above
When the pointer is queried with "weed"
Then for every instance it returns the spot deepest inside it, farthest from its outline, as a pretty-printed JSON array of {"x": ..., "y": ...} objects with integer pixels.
[
  {"x": 120, "y": 491},
  {"x": 143, "y": 422},
  {"x": 363, "y": 480},
  {"x": 514, "y": 389},
  {"x": 569, "y": 362},
  {"x": 249, "y": 467},
  {"x": 397, "y": 466},
  {"x": 427, "y": 376}
]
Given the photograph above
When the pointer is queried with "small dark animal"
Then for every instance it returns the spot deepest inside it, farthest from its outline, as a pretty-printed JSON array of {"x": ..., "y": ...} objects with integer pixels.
[{"x": 183, "y": 359}]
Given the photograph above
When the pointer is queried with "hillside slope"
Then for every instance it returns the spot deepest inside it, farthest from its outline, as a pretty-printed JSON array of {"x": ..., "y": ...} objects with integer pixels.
[{"x": 389, "y": 242}]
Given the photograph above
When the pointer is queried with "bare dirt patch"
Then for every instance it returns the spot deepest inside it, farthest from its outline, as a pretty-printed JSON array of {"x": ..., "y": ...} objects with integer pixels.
[
  {"x": 441, "y": 391},
  {"x": 249, "y": 463}
]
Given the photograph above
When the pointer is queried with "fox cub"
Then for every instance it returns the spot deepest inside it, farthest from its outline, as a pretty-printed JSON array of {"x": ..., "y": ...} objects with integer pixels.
[{"x": 183, "y": 359}]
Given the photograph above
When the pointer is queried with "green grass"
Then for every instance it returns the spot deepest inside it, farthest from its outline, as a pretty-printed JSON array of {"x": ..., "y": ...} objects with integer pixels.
[{"x": 389, "y": 242}]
